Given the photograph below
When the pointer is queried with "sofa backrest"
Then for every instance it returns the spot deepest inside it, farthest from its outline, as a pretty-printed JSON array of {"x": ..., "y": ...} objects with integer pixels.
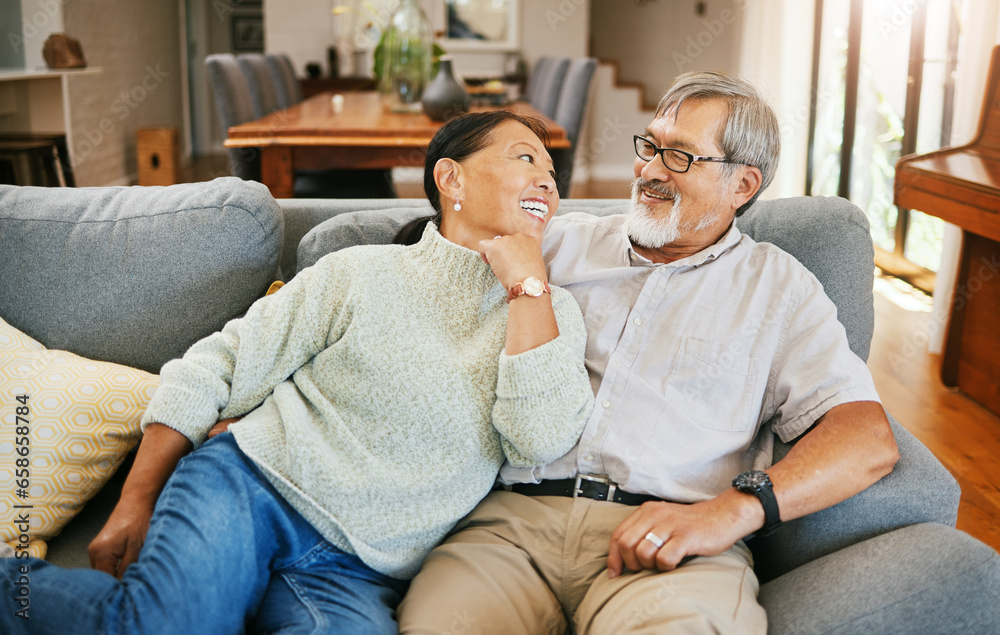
[
  {"x": 828, "y": 235},
  {"x": 134, "y": 275}
]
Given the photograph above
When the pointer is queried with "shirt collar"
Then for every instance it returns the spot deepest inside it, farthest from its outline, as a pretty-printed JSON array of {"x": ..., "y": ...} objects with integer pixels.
[{"x": 724, "y": 244}]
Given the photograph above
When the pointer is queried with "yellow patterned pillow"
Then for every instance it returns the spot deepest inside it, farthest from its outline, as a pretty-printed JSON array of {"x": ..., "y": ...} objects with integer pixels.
[{"x": 67, "y": 424}]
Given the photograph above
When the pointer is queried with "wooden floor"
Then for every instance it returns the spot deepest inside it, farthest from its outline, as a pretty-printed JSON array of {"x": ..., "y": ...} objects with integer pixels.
[{"x": 964, "y": 436}]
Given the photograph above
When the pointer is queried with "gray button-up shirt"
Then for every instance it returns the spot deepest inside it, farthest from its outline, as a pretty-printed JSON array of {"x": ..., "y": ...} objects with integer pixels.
[{"x": 689, "y": 359}]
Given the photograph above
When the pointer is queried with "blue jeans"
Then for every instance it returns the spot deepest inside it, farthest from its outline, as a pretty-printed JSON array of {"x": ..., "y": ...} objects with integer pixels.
[{"x": 224, "y": 554}]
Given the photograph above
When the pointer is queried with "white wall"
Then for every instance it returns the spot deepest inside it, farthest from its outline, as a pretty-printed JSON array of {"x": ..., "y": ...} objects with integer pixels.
[
  {"x": 776, "y": 55},
  {"x": 136, "y": 44},
  {"x": 655, "y": 42},
  {"x": 39, "y": 19},
  {"x": 303, "y": 30}
]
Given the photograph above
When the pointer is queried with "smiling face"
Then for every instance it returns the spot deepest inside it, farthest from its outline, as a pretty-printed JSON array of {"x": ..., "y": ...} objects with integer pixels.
[
  {"x": 675, "y": 215},
  {"x": 508, "y": 187}
]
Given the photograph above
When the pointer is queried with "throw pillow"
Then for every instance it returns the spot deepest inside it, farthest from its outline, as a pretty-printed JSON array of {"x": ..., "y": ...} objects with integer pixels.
[{"x": 67, "y": 424}]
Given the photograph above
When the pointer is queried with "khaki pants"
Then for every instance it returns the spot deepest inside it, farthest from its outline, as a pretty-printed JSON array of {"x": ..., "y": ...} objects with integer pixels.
[{"x": 520, "y": 564}]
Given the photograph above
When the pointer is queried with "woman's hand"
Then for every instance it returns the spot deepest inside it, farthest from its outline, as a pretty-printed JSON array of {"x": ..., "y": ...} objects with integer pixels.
[
  {"x": 120, "y": 540},
  {"x": 513, "y": 258},
  {"x": 531, "y": 321},
  {"x": 119, "y": 543}
]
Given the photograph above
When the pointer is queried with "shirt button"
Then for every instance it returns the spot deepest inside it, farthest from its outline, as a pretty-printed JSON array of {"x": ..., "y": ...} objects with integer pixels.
[
  {"x": 637, "y": 321},
  {"x": 589, "y": 457},
  {"x": 606, "y": 404}
]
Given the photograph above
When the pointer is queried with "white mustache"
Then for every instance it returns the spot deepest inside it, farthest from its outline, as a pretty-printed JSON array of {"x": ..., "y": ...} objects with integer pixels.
[{"x": 658, "y": 187}]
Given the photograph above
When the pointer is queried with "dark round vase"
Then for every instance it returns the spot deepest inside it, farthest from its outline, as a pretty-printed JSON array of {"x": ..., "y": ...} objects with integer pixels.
[{"x": 444, "y": 97}]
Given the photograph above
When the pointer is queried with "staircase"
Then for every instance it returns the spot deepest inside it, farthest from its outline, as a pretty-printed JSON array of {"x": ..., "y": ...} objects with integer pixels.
[{"x": 616, "y": 113}]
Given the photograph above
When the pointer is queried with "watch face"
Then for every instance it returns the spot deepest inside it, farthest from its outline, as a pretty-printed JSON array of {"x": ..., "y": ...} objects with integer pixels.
[
  {"x": 752, "y": 481},
  {"x": 533, "y": 287}
]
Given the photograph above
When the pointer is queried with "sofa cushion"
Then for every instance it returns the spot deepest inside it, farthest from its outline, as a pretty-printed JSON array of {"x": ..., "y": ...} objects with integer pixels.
[
  {"x": 370, "y": 227},
  {"x": 134, "y": 275},
  {"x": 68, "y": 423}
]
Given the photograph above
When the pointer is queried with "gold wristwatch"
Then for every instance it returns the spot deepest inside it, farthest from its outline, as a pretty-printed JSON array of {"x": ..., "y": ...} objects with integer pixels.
[{"x": 530, "y": 286}]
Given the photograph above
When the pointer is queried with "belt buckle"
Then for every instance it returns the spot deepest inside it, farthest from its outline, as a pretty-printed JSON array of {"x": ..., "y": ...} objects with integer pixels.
[{"x": 596, "y": 478}]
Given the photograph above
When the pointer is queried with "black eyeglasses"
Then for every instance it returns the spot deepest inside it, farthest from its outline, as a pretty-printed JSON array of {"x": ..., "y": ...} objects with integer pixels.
[{"x": 673, "y": 159}]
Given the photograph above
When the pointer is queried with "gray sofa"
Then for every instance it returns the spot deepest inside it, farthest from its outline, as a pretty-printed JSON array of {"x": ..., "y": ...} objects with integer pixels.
[{"x": 136, "y": 275}]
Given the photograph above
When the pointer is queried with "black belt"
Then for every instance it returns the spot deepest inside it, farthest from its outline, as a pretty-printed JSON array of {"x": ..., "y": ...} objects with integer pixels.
[{"x": 585, "y": 485}]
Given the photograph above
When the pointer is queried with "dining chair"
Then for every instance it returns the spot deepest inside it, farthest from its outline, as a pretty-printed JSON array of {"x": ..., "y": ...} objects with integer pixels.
[
  {"x": 284, "y": 79},
  {"x": 535, "y": 78},
  {"x": 233, "y": 102},
  {"x": 235, "y": 105},
  {"x": 546, "y": 83},
  {"x": 263, "y": 91},
  {"x": 574, "y": 98}
]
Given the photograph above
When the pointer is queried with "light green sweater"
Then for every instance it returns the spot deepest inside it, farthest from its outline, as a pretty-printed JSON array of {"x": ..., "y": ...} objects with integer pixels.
[{"x": 386, "y": 402}]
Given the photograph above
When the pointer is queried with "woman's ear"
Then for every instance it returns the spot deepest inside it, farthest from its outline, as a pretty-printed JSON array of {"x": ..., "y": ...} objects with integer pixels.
[{"x": 449, "y": 179}]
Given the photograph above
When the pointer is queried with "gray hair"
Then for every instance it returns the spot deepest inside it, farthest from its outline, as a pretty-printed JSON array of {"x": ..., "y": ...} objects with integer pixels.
[{"x": 750, "y": 136}]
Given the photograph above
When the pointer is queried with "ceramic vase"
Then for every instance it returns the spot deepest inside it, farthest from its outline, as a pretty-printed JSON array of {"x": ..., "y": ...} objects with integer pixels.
[{"x": 444, "y": 97}]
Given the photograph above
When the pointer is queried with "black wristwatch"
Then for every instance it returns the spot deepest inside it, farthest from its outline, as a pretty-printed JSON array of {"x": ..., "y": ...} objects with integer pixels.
[{"x": 759, "y": 484}]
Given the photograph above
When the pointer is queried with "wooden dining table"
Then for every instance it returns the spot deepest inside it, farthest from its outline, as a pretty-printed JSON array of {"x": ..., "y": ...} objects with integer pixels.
[{"x": 359, "y": 135}]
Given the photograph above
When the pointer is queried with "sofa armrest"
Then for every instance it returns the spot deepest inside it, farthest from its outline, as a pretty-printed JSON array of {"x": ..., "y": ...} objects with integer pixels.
[
  {"x": 924, "y": 579},
  {"x": 918, "y": 490}
]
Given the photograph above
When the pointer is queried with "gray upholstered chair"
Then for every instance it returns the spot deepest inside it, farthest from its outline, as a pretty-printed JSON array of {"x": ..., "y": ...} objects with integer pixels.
[
  {"x": 570, "y": 110},
  {"x": 232, "y": 99},
  {"x": 283, "y": 76},
  {"x": 546, "y": 82},
  {"x": 263, "y": 91}
]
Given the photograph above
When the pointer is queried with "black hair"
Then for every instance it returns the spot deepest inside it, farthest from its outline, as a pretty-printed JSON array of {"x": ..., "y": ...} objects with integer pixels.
[{"x": 459, "y": 139}]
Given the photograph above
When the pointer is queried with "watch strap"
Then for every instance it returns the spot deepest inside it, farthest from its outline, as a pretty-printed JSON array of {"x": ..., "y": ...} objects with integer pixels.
[
  {"x": 759, "y": 484},
  {"x": 772, "y": 517}
]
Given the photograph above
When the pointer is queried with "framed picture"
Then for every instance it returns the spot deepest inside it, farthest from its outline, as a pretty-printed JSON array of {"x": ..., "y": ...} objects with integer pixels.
[
  {"x": 479, "y": 25},
  {"x": 248, "y": 33}
]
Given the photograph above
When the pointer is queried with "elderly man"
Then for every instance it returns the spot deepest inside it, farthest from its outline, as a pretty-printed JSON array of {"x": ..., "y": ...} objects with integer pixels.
[{"x": 697, "y": 336}]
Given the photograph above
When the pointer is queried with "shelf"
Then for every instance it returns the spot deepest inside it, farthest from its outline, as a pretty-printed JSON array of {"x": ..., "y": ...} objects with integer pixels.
[{"x": 15, "y": 74}]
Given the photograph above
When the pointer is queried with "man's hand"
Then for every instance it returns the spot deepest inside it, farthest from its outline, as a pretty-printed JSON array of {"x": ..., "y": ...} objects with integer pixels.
[
  {"x": 121, "y": 538},
  {"x": 848, "y": 449},
  {"x": 702, "y": 529},
  {"x": 222, "y": 426}
]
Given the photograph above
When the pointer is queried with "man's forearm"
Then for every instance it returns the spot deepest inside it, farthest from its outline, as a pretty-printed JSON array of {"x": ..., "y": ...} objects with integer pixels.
[{"x": 849, "y": 449}]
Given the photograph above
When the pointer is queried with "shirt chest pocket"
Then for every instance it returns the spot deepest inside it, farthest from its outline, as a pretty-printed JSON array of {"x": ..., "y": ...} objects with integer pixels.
[{"x": 715, "y": 384}]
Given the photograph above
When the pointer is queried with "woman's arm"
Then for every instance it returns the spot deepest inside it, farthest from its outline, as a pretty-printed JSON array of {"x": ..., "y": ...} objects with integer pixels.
[
  {"x": 531, "y": 321},
  {"x": 544, "y": 396},
  {"x": 231, "y": 372},
  {"x": 121, "y": 538}
]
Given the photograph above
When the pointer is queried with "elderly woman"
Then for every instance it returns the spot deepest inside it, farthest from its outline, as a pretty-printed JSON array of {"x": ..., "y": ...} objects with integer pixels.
[{"x": 382, "y": 389}]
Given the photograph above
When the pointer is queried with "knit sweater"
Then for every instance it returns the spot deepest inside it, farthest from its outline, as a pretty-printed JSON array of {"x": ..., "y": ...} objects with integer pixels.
[{"x": 381, "y": 401}]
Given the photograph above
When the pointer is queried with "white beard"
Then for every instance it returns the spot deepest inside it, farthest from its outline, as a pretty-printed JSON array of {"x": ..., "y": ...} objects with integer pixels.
[{"x": 646, "y": 228}]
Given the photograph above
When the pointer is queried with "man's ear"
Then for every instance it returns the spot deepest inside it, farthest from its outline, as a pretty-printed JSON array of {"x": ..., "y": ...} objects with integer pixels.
[
  {"x": 748, "y": 185},
  {"x": 449, "y": 179}
]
